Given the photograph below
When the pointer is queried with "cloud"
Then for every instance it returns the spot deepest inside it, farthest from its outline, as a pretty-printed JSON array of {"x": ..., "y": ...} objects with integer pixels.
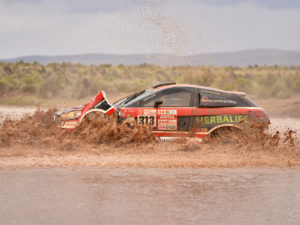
[
  {"x": 143, "y": 26},
  {"x": 272, "y": 4},
  {"x": 94, "y": 6},
  {"x": 106, "y": 6},
  {"x": 78, "y": 6}
]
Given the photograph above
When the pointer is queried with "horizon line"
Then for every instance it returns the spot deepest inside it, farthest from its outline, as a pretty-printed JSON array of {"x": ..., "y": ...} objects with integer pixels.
[{"x": 166, "y": 54}]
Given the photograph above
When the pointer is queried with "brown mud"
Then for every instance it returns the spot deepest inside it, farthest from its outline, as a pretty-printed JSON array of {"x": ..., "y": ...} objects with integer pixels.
[{"x": 35, "y": 140}]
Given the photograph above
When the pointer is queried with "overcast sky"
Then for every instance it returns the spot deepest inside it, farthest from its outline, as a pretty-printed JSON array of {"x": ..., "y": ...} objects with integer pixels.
[{"x": 184, "y": 27}]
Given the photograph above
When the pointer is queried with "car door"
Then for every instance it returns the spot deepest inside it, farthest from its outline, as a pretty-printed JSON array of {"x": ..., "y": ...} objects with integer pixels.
[
  {"x": 146, "y": 113},
  {"x": 174, "y": 113}
]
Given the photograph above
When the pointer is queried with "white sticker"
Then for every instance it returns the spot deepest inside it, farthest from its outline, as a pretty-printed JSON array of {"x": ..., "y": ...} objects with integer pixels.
[
  {"x": 145, "y": 119},
  {"x": 167, "y": 124},
  {"x": 150, "y": 112},
  {"x": 167, "y": 112}
]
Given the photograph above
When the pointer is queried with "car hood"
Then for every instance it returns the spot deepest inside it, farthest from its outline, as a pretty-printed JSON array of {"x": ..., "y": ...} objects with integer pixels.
[
  {"x": 70, "y": 109},
  {"x": 98, "y": 103}
]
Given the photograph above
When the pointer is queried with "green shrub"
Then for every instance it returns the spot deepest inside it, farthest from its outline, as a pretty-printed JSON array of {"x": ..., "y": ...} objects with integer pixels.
[{"x": 77, "y": 80}]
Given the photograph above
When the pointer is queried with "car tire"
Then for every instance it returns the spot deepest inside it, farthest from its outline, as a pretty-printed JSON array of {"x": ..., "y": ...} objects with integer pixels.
[{"x": 226, "y": 135}]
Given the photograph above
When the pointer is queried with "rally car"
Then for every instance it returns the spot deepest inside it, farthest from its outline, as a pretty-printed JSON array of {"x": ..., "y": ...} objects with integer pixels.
[{"x": 173, "y": 110}]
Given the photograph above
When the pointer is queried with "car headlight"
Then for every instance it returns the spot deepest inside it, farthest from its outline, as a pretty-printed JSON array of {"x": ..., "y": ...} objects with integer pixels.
[{"x": 71, "y": 115}]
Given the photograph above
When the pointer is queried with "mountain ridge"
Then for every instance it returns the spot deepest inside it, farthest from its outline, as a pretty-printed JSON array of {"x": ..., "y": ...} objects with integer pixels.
[{"x": 236, "y": 58}]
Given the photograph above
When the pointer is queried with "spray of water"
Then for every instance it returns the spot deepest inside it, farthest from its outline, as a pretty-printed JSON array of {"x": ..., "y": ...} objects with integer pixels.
[{"x": 102, "y": 141}]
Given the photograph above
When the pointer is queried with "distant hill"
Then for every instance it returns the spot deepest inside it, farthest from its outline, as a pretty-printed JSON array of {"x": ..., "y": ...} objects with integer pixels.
[{"x": 238, "y": 58}]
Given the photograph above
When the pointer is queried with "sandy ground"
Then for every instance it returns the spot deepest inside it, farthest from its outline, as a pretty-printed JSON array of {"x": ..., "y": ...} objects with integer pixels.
[{"x": 28, "y": 151}]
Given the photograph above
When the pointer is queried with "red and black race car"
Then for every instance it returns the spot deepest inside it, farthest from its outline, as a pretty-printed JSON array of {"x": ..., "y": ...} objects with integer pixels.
[{"x": 173, "y": 110}]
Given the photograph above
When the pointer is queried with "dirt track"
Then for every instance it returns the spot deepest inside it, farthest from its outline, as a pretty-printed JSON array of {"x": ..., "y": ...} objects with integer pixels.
[{"x": 35, "y": 143}]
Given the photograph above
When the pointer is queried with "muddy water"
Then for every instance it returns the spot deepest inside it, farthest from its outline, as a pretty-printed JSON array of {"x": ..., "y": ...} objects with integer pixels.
[
  {"x": 137, "y": 194},
  {"x": 15, "y": 112},
  {"x": 149, "y": 196},
  {"x": 284, "y": 124},
  {"x": 35, "y": 141},
  {"x": 18, "y": 112}
]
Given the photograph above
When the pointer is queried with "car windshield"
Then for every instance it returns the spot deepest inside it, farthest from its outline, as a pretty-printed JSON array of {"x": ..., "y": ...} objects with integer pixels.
[
  {"x": 120, "y": 101},
  {"x": 132, "y": 98}
]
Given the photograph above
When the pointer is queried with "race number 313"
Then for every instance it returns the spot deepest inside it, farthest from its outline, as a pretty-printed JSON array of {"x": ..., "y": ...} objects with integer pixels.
[{"x": 147, "y": 120}]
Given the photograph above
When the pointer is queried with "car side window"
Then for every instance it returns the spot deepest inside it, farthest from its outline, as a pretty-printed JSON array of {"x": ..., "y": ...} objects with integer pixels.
[
  {"x": 174, "y": 97},
  {"x": 177, "y": 99},
  {"x": 150, "y": 100}
]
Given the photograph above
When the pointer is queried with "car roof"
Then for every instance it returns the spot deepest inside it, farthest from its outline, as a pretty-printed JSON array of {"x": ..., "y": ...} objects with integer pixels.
[{"x": 203, "y": 88}]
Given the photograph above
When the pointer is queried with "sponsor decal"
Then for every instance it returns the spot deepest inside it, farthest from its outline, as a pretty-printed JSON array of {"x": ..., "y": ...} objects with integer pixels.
[
  {"x": 167, "y": 112},
  {"x": 167, "y": 127},
  {"x": 167, "y": 122},
  {"x": 147, "y": 116},
  {"x": 167, "y": 119},
  {"x": 130, "y": 110},
  {"x": 127, "y": 113},
  {"x": 220, "y": 119},
  {"x": 207, "y": 101},
  {"x": 204, "y": 100},
  {"x": 220, "y": 101},
  {"x": 150, "y": 112}
]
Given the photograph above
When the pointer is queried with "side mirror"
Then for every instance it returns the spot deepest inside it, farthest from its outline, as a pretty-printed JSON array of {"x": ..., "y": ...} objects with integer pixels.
[{"x": 157, "y": 103}]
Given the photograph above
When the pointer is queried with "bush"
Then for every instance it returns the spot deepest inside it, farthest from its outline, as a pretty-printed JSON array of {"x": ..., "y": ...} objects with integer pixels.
[{"x": 77, "y": 80}]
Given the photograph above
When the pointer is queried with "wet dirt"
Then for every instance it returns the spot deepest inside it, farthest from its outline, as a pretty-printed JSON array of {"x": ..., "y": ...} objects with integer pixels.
[
  {"x": 149, "y": 196},
  {"x": 33, "y": 139}
]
